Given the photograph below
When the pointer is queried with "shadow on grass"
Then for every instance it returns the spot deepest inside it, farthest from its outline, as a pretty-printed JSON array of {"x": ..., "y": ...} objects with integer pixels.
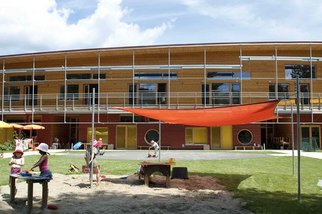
[{"x": 269, "y": 202}]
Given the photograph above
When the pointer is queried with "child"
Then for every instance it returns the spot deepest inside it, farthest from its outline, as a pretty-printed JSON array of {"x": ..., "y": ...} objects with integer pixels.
[
  {"x": 42, "y": 163},
  {"x": 17, "y": 161},
  {"x": 155, "y": 146},
  {"x": 90, "y": 159}
]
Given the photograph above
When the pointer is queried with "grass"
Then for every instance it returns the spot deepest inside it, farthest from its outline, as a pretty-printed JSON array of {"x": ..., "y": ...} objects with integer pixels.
[{"x": 266, "y": 184}]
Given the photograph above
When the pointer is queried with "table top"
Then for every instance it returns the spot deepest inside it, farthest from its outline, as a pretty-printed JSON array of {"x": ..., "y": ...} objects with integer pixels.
[
  {"x": 145, "y": 163},
  {"x": 31, "y": 178}
]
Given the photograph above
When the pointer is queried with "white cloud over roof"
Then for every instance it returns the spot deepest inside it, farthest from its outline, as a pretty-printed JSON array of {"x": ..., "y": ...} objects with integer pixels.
[
  {"x": 45, "y": 25},
  {"x": 40, "y": 25}
]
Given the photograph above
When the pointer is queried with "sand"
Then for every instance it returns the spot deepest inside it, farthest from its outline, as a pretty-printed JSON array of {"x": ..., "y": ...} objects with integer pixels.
[{"x": 127, "y": 194}]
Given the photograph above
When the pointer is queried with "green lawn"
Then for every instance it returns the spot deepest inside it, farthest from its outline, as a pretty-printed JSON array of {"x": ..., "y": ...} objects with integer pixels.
[{"x": 266, "y": 184}]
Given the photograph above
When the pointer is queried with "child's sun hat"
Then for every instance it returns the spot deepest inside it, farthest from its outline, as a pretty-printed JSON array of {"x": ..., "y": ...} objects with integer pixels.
[
  {"x": 43, "y": 147},
  {"x": 18, "y": 150}
]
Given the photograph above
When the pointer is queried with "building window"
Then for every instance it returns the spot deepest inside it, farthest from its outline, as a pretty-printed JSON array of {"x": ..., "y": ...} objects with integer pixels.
[
  {"x": 72, "y": 92},
  {"x": 26, "y": 78},
  {"x": 147, "y": 94},
  {"x": 228, "y": 75},
  {"x": 304, "y": 71},
  {"x": 84, "y": 76},
  {"x": 196, "y": 135},
  {"x": 245, "y": 137},
  {"x": 12, "y": 93},
  {"x": 155, "y": 75},
  {"x": 151, "y": 134},
  {"x": 282, "y": 91},
  {"x": 225, "y": 93}
]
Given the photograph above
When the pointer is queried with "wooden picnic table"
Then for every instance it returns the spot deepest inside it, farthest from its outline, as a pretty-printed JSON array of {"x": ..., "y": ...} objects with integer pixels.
[{"x": 30, "y": 180}]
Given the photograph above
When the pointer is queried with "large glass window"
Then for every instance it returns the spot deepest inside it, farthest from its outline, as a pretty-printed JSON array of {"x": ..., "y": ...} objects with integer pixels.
[
  {"x": 147, "y": 93},
  {"x": 155, "y": 75},
  {"x": 282, "y": 89},
  {"x": 12, "y": 93},
  {"x": 72, "y": 92},
  {"x": 228, "y": 75},
  {"x": 84, "y": 76},
  {"x": 225, "y": 93},
  {"x": 26, "y": 78},
  {"x": 304, "y": 71}
]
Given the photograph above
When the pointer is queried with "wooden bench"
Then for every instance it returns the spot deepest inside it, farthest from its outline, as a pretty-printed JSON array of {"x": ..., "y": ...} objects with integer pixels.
[
  {"x": 249, "y": 147},
  {"x": 147, "y": 147}
]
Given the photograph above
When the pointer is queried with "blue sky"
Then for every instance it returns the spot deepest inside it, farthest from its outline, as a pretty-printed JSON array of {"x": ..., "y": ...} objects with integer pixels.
[{"x": 47, "y": 25}]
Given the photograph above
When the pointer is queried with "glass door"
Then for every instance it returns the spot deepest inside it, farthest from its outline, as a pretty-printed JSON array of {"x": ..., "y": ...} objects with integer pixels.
[{"x": 310, "y": 136}]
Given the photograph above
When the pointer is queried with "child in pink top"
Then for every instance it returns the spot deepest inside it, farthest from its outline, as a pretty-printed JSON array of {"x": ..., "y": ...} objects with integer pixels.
[
  {"x": 17, "y": 161},
  {"x": 42, "y": 163}
]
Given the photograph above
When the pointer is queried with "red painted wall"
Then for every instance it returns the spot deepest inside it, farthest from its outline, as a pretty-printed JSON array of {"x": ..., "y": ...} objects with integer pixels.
[{"x": 253, "y": 128}]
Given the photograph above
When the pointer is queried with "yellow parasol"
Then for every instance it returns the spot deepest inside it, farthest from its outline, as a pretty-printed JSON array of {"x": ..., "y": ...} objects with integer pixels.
[
  {"x": 16, "y": 126},
  {"x": 33, "y": 127},
  {"x": 5, "y": 125}
]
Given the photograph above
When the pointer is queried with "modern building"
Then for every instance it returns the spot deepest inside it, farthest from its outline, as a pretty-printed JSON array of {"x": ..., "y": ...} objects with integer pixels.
[{"x": 55, "y": 89}]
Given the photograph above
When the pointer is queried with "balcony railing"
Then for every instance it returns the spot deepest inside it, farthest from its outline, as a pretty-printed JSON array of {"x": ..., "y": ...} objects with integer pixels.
[{"x": 50, "y": 103}]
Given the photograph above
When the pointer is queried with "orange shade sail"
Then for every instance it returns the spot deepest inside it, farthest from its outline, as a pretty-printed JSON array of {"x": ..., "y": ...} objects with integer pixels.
[{"x": 217, "y": 116}]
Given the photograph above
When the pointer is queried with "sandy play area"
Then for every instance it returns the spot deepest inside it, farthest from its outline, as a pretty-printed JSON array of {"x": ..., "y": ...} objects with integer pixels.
[{"x": 127, "y": 194}]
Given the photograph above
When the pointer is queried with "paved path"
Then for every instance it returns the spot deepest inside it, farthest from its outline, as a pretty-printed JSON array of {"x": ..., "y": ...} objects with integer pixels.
[
  {"x": 317, "y": 155},
  {"x": 181, "y": 154},
  {"x": 176, "y": 154}
]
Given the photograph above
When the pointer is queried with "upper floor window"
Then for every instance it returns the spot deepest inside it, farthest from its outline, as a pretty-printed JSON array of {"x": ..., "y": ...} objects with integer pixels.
[
  {"x": 147, "y": 93},
  {"x": 155, "y": 75},
  {"x": 84, "y": 76},
  {"x": 26, "y": 78},
  {"x": 228, "y": 75},
  {"x": 72, "y": 92},
  {"x": 12, "y": 93},
  {"x": 221, "y": 93},
  {"x": 304, "y": 71},
  {"x": 282, "y": 91}
]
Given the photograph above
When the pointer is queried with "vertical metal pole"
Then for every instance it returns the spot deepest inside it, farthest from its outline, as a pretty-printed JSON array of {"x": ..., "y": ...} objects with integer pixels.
[
  {"x": 241, "y": 76},
  {"x": 98, "y": 86},
  {"x": 134, "y": 92},
  {"x": 205, "y": 77},
  {"x": 2, "y": 99},
  {"x": 292, "y": 124},
  {"x": 169, "y": 82},
  {"x": 33, "y": 91},
  {"x": 92, "y": 141},
  {"x": 65, "y": 87},
  {"x": 298, "y": 139},
  {"x": 160, "y": 140}
]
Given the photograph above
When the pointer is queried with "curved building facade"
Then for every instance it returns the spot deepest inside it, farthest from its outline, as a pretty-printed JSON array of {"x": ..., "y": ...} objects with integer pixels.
[{"x": 60, "y": 90}]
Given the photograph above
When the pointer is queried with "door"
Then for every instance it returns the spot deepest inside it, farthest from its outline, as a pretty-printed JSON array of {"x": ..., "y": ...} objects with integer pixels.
[
  {"x": 222, "y": 137},
  {"x": 29, "y": 97},
  {"x": 310, "y": 135},
  {"x": 126, "y": 137}
]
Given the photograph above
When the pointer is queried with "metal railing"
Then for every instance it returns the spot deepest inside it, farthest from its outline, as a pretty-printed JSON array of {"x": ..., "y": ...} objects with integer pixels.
[{"x": 49, "y": 103}]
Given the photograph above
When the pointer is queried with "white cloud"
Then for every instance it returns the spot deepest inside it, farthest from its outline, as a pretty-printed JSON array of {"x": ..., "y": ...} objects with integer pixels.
[
  {"x": 40, "y": 25},
  {"x": 249, "y": 20}
]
